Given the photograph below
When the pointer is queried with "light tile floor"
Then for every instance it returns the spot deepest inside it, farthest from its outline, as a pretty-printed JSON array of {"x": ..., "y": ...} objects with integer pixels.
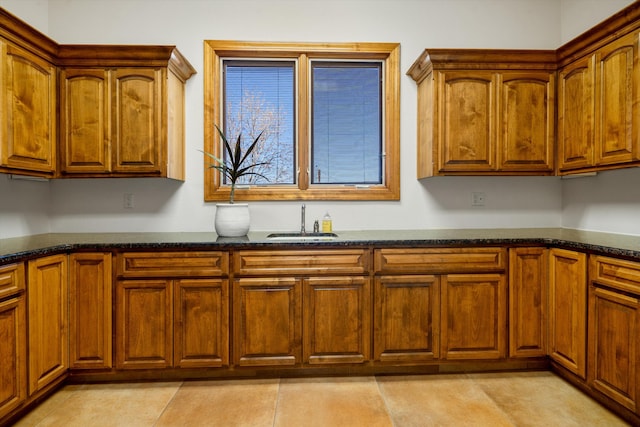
[{"x": 487, "y": 399}]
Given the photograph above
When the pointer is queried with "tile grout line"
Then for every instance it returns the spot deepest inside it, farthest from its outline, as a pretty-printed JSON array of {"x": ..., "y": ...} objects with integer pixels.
[
  {"x": 384, "y": 399},
  {"x": 275, "y": 410},
  {"x": 507, "y": 415},
  {"x": 155, "y": 423}
]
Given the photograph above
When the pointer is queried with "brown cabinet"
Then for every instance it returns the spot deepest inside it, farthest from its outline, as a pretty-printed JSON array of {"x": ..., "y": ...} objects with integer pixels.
[
  {"x": 485, "y": 112},
  {"x": 90, "y": 307},
  {"x": 119, "y": 120},
  {"x": 614, "y": 325},
  {"x": 568, "y": 309},
  {"x": 48, "y": 342},
  {"x": 474, "y": 316},
  {"x": 336, "y": 320},
  {"x": 598, "y": 96},
  {"x": 13, "y": 330},
  {"x": 267, "y": 321},
  {"x": 439, "y": 303},
  {"x": 171, "y": 309},
  {"x": 406, "y": 318},
  {"x": 528, "y": 294},
  {"x": 309, "y": 306},
  {"x": 28, "y": 119}
]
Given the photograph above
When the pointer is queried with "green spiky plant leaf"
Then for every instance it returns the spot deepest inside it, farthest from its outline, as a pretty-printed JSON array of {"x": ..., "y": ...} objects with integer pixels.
[{"x": 233, "y": 167}]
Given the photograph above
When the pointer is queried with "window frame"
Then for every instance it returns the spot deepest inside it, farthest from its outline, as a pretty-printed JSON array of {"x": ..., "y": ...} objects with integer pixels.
[{"x": 303, "y": 53}]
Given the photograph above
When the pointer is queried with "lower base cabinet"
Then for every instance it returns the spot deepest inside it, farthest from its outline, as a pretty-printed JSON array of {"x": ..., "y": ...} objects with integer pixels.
[
  {"x": 336, "y": 320},
  {"x": 406, "y": 318},
  {"x": 13, "y": 354},
  {"x": 614, "y": 328},
  {"x": 144, "y": 324},
  {"x": 528, "y": 295},
  {"x": 90, "y": 310},
  {"x": 568, "y": 310},
  {"x": 48, "y": 342},
  {"x": 171, "y": 323},
  {"x": 267, "y": 315},
  {"x": 474, "y": 316}
]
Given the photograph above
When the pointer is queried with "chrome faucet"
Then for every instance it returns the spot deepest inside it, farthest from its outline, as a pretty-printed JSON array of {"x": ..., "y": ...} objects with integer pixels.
[{"x": 302, "y": 230}]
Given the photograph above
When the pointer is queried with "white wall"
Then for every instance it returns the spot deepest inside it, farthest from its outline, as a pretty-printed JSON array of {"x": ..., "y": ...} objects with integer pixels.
[{"x": 165, "y": 205}]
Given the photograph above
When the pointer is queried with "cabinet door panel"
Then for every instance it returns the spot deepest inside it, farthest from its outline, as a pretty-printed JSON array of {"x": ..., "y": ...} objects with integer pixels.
[
  {"x": 407, "y": 318},
  {"x": 614, "y": 324},
  {"x": 466, "y": 130},
  {"x": 266, "y": 321},
  {"x": 90, "y": 290},
  {"x": 13, "y": 354},
  {"x": 616, "y": 93},
  {"x": 138, "y": 110},
  {"x": 201, "y": 323},
  {"x": 47, "y": 291},
  {"x": 474, "y": 316},
  {"x": 568, "y": 309},
  {"x": 84, "y": 121},
  {"x": 337, "y": 316},
  {"x": 575, "y": 115},
  {"x": 527, "y": 122},
  {"x": 144, "y": 320},
  {"x": 28, "y": 132},
  {"x": 528, "y": 302}
]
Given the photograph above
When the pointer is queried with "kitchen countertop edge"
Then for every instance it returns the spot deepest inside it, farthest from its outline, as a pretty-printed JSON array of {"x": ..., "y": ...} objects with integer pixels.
[{"x": 27, "y": 247}]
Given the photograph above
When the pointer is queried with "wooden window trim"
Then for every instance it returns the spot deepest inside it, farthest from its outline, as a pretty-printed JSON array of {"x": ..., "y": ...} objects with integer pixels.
[{"x": 389, "y": 53}]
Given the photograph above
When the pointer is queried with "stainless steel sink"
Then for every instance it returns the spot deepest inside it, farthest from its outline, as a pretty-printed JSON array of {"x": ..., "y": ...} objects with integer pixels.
[{"x": 302, "y": 236}]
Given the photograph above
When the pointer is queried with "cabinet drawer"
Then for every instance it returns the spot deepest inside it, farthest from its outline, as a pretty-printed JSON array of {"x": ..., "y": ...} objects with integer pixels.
[
  {"x": 11, "y": 279},
  {"x": 619, "y": 274},
  {"x": 173, "y": 264},
  {"x": 439, "y": 260},
  {"x": 288, "y": 262}
]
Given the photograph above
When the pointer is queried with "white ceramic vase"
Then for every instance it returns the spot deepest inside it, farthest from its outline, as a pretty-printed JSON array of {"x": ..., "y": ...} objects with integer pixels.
[{"x": 232, "y": 219}]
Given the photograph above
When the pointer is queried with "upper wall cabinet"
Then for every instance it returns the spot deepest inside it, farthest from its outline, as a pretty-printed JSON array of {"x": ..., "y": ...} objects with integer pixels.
[
  {"x": 597, "y": 109},
  {"x": 89, "y": 110},
  {"x": 485, "y": 112},
  {"x": 27, "y": 100},
  {"x": 122, "y": 111}
]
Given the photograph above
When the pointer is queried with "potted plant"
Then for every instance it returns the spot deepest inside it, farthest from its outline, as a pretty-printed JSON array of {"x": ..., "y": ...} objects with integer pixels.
[{"x": 232, "y": 219}]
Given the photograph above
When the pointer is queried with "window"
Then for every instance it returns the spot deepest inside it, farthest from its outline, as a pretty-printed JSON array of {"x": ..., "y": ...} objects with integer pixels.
[{"x": 329, "y": 112}]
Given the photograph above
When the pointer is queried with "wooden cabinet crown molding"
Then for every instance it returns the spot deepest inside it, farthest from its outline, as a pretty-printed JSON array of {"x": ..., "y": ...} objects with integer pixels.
[
  {"x": 19, "y": 32},
  {"x": 99, "y": 55},
  {"x": 481, "y": 59},
  {"x": 612, "y": 28}
]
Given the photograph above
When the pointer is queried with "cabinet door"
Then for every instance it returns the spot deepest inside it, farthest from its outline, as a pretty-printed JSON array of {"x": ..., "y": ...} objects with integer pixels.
[
  {"x": 474, "y": 316},
  {"x": 526, "y": 122},
  {"x": 90, "y": 305},
  {"x": 614, "y": 324},
  {"x": 568, "y": 309},
  {"x": 575, "y": 115},
  {"x": 13, "y": 354},
  {"x": 337, "y": 320},
  {"x": 28, "y": 103},
  {"x": 201, "y": 323},
  {"x": 465, "y": 129},
  {"x": 266, "y": 321},
  {"x": 528, "y": 302},
  {"x": 137, "y": 137},
  {"x": 616, "y": 95},
  {"x": 406, "y": 318},
  {"x": 47, "y": 291},
  {"x": 84, "y": 121},
  {"x": 144, "y": 324}
]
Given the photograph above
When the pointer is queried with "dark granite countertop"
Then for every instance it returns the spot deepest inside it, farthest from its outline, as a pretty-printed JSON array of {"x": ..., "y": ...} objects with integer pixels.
[{"x": 21, "y": 248}]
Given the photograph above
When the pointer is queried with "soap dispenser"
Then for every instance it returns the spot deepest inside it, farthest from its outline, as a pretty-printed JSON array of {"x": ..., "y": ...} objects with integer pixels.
[{"x": 327, "y": 227}]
